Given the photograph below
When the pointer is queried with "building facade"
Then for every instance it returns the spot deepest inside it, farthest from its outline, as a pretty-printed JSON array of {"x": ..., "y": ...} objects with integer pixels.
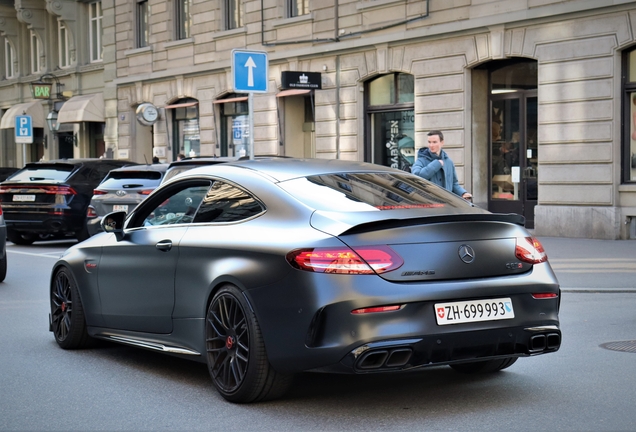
[{"x": 536, "y": 98}]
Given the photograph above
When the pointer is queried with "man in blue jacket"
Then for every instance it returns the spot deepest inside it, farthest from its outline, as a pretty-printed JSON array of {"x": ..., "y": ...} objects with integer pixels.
[{"x": 433, "y": 164}]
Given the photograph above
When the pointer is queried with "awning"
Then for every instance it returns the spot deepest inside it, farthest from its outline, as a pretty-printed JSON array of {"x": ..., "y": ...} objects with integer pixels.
[
  {"x": 292, "y": 93},
  {"x": 85, "y": 108},
  {"x": 34, "y": 109},
  {"x": 181, "y": 105},
  {"x": 236, "y": 99}
]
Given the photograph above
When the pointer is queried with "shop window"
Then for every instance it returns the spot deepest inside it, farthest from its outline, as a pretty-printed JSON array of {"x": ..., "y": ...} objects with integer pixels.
[
  {"x": 234, "y": 125},
  {"x": 391, "y": 121},
  {"x": 629, "y": 120},
  {"x": 185, "y": 126}
]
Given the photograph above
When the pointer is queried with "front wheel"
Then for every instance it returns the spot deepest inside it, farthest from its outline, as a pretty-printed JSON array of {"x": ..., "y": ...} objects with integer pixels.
[
  {"x": 485, "y": 366},
  {"x": 68, "y": 322},
  {"x": 236, "y": 355}
]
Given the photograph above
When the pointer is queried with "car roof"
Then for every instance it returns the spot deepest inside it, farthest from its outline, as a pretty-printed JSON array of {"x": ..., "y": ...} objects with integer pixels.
[
  {"x": 281, "y": 169},
  {"x": 84, "y": 161},
  {"x": 148, "y": 167},
  {"x": 206, "y": 160}
]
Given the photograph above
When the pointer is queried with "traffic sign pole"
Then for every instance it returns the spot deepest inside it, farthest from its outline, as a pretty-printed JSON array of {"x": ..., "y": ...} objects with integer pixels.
[{"x": 250, "y": 113}]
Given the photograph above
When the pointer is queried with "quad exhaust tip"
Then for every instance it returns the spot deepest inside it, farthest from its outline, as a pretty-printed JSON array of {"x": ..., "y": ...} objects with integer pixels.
[
  {"x": 544, "y": 342},
  {"x": 378, "y": 359}
]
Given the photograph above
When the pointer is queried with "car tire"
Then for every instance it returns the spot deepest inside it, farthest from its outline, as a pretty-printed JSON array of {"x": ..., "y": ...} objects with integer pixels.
[
  {"x": 485, "y": 366},
  {"x": 236, "y": 356},
  {"x": 18, "y": 238},
  {"x": 82, "y": 234},
  {"x": 68, "y": 321},
  {"x": 3, "y": 267}
]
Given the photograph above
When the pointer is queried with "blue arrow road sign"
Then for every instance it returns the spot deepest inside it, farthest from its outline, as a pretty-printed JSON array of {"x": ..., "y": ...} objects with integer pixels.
[
  {"x": 23, "y": 129},
  {"x": 249, "y": 69}
]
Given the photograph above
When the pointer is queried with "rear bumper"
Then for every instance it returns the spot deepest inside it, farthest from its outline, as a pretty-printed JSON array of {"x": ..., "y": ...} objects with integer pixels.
[
  {"x": 44, "y": 223},
  {"x": 432, "y": 350},
  {"x": 307, "y": 322}
]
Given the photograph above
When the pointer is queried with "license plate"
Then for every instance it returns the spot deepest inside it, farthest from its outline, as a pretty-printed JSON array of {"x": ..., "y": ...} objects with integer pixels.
[
  {"x": 120, "y": 207},
  {"x": 23, "y": 198},
  {"x": 474, "y": 311}
]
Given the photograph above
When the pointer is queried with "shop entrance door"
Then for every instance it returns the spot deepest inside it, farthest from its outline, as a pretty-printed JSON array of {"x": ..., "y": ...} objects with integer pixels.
[{"x": 513, "y": 163}]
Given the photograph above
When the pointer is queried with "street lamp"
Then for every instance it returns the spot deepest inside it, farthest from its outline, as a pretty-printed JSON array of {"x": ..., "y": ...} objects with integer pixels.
[{"x": 51, "y": 121}]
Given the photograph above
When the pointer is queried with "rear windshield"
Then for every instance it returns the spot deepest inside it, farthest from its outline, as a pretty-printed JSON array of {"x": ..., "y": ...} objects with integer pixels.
[
  {"x": 44, "y": 172},
  {"x": 131, "y": 179},
  {"x": 354, "y": 192}
]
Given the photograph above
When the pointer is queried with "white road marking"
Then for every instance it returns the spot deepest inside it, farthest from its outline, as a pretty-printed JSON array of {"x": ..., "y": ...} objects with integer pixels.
[{"x": 49, "y": 255}]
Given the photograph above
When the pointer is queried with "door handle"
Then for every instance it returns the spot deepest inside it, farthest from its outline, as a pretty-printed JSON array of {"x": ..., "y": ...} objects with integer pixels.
[{"x": 164, "y": 245}]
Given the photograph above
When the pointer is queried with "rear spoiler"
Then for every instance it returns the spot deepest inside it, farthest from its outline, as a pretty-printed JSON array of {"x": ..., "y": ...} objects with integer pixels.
[{"x": 339, "y": 227}]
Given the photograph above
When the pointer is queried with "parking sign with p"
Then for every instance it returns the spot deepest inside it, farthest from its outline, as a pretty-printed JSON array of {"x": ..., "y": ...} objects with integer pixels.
[{"x": 23, "y": 129}]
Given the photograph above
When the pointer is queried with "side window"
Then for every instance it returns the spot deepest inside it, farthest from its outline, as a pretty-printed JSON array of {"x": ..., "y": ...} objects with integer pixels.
[
  {"x": 227, "y": 203},
  {"x": 102, "y": 170},
  {"x": 177, "y": 208},
  {"x": 83, "y": 174}
]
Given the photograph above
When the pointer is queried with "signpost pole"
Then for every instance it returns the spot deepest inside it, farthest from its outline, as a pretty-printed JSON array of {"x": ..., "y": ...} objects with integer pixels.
[{"x": 250, "y": 113}]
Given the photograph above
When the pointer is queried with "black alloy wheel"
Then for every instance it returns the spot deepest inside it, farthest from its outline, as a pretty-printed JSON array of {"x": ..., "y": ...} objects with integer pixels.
[
  {"x": 67, "y": 314},
  {"x": 236, "y": 355},
  {"x": 19, "y": 238},
  {"x": 485, "y": 366},
  {"x": 3, "y": 267}
]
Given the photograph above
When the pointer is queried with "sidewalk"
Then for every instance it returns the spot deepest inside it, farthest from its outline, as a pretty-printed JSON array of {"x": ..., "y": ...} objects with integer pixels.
[{"x": 592, "y": 265}]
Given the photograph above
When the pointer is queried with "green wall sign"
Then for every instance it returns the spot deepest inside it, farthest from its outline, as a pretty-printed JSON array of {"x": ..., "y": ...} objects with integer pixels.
[{"x": 41, "y": 90}]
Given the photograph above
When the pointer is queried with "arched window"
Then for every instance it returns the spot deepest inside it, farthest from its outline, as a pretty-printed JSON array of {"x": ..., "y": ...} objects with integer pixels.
[{"x": 390, "y": 121}]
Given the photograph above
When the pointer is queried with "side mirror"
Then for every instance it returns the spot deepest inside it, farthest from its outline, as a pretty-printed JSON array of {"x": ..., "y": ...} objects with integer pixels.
[{"x": 114, "y": 223}]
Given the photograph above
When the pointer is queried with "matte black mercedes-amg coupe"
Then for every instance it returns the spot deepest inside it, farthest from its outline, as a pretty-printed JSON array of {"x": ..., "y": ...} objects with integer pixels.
[{"x": 265, "y": 268}]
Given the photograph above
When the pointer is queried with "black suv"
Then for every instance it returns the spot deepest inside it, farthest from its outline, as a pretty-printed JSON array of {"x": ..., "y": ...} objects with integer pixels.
[{"x": 49, "y": 199}]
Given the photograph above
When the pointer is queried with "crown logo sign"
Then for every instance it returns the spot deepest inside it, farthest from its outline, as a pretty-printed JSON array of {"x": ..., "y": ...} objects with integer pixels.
[{"x": 304, "y": 79}]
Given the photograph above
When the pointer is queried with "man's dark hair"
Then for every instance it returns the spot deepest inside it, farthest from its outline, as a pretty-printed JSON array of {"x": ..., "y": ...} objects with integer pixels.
[{"x": 438, "y": 133}]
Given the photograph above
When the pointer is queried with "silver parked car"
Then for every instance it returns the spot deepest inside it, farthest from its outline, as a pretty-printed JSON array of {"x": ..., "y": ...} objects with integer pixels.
[{"x": 122, "y": 190}]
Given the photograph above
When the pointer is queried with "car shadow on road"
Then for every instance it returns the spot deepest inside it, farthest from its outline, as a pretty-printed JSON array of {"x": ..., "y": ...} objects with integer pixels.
[{"x": 434, "y": 389}]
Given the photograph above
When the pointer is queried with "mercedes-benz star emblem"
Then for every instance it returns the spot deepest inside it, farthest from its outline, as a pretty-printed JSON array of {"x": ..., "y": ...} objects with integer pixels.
[{"x": 466, "y": 254}]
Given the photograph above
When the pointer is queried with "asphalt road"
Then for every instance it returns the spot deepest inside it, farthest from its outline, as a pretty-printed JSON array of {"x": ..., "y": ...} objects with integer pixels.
[{"x": 582, "y": 387}]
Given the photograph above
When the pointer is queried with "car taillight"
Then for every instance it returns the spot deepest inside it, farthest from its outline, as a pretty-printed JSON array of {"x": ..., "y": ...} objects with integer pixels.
[
  {"x": 58, "y": 190},
  {"x": 52, "y": 190},
  {"x": 530, "y": 250},
  {"x": 377, "y": 309},
  {"x": 362, "y": 260},
  {"x": 99, "y": 192},
  {"x": 544, "y": 295},
  {"x": 90, "y": 212},
  {"x": 0, "y": 210},
  {"x": 144, "y": 192}
]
